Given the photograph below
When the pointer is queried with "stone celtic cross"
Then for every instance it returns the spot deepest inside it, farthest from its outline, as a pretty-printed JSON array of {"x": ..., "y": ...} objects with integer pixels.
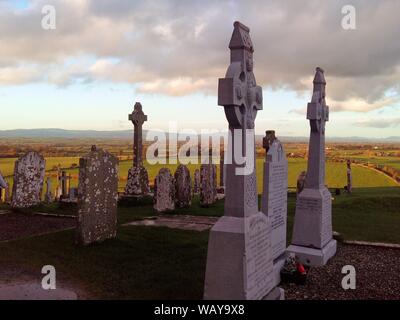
[
  {"x": 241, "y": 98},
  {"x": 317, "y": 114},
  {"x": 138, "y": 118}
]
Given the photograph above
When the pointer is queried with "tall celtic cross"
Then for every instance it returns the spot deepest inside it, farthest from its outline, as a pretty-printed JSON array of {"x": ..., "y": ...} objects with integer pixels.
[
  {"x": 317, "y": 114},
  {"x": 241, "y": 98},
  {"x": 138, "y": 118}
]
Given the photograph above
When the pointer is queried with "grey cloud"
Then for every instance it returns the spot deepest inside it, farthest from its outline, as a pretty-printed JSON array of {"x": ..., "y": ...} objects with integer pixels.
[
  {"x": 379, "y": 123},
  {"x": 163, "y": 46}
]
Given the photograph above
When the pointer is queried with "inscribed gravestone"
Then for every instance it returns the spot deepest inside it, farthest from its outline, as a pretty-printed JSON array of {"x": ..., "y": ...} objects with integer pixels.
[{"x": 274, "y": 198}]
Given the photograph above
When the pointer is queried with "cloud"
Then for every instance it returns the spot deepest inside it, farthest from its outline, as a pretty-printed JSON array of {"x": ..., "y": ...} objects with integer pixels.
[
  {"x": 178, "y": 48},
  {"x": 378, "y": 123}
]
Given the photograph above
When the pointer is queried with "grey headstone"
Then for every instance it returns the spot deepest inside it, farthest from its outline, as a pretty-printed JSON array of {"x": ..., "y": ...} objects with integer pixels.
[
  {"x": 239, "y": 257},
  {"x": 300, "y": 181},
  {"x": 183, "y": 187},
  {"x": 274, "y": 198},
  {"x": 48, "y": 196},
  {"x": 208, "y": 184},
  {"x": 98, "y": 196},
  {"x": 349, "y": 177},
  {"x": 138, "y": 182},
  {"x": 29, "y": 173},
  {"x": 312, "y": 239},
  {"x": 164, "y": 191}
]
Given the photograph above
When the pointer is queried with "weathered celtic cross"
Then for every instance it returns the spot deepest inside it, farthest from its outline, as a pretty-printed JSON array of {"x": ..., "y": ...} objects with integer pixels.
[{"x": 138, "y": 118}]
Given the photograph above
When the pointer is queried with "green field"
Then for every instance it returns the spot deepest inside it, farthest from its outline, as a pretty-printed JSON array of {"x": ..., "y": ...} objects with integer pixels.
[{"x": 335, "y": 172}]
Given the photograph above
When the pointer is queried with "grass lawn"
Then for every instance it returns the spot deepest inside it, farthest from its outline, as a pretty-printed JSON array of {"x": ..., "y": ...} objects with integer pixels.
[{"x": 162, "y": 263}]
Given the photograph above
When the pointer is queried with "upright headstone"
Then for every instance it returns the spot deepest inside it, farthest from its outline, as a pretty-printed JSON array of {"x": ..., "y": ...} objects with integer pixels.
[
  {"x": 196, "y": 183},
  {"x": 48, "y": 196},
  {"x": 208, "y": 184},
  {"x": 349, "y": 177},
  {"x": 239, "y": 258},
  {"x": 64, "y": 179},
  {"x": 274, "y": 198},
  {"x": 29, "y": 173},
  {"x": 300, "y": 182},
  {"x": 3, "y": 188},
  {"x": 164, "y": 191},
  {"x": 183, "y": 187},
  {"x": 98, "y": 196},
  {"x": 312, "y": 240},
  {"x": 138, "y": 179}
]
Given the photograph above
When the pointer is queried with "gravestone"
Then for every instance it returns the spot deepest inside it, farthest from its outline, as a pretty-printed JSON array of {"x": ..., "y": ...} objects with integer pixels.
[
  {"x": 312, "y": 240},
  {"x": 183, "y": 187},
  {"x": 196, "y": 183},
  {"x": 98, "y": 196},
  {"x": 164, "y": 191},
  {"x": 274, "y": 198},
  {"x": 64, "y": 181},
  {"x": 239, "y": 257},
  {"x": 208, "y": 184},
  {"x": 349, "y": 177},
  {"x": 3, "y": 186},
  {"x": 48, "y": 197},
  {"x": 300, "y": 182},
  {"x": 138, "y": 179},
  {"x": 29, "y": 173}
]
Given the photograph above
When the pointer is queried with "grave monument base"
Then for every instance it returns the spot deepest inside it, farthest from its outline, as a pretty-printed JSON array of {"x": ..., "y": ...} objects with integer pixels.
[
  {"x": 278, "y": 266},
  {"x": 226, "y": 275},
  {"x": 313, "y": 256}
]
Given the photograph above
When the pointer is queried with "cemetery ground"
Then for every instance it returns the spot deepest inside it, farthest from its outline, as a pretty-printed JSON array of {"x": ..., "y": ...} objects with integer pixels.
[{"x": 163, "y": 263}]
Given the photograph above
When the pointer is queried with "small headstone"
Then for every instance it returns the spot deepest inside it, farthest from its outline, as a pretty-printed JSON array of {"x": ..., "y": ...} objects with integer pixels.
[
  {"x": 73, "y": 194},
  {"x": 196, "y": 181},
  {"x": 3, "y": 187},
  {"x": 183, "y": 187},
  {"x": 138, "y": 179},
  {"x": 164, "y": 191},
  {"x": 208, "y": 184},
  {"x": 29, "y": 173},
  {"x": 349, "y": 177},
  {"x": 274, "y": 198},
  {"x": 48, "y": 198},
  {"x": 312, "y": 239},
  {"x": 300, "y": 181},
  {"x": 98, "y": 196}
]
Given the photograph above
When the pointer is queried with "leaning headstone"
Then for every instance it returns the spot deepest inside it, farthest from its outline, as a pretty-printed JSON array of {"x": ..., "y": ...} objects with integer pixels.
[
  {"x": 208, "y": 184},
  {"x": 239, "y": 258},
  {"x": 164, "y": 191},
  {"x": 300, "y": 181},
  {"x": 312, "y": 239},
  {"x": 98, "y": 196},
  {"x": 138, "y": 179},
  {"x": 183, "y": 187},
  {"x": 48, "y": 197},
  {"x": 29, "y": 173},
  {"x": 274, "y": 198},
  {"x": 349, "y": 177},
  {"x": 196, "y": 181}
]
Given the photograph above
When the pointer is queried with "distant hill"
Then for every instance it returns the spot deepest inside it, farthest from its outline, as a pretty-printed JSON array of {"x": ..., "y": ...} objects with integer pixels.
[{"x": 127, "y": 134}]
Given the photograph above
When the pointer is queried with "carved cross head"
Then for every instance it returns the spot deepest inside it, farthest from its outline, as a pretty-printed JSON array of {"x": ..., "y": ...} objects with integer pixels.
[
  {"x": 238, "y": 91},
  {"x": 137, "y": 116}
]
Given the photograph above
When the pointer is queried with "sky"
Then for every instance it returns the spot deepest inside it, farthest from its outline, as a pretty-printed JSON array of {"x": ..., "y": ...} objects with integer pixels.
[{"x": 104, "y": 55}]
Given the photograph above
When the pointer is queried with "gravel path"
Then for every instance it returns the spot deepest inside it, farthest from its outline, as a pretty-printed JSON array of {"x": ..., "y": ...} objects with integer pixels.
[
  {"x": 377, "y": 276},
  {"x": 17, "y": 225}
]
